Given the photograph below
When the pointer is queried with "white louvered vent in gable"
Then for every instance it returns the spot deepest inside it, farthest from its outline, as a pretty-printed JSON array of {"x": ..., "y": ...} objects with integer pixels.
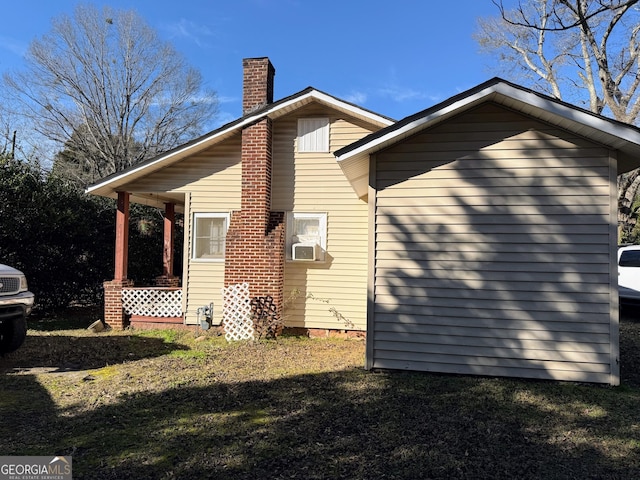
[{"x": 313, "y": 135}]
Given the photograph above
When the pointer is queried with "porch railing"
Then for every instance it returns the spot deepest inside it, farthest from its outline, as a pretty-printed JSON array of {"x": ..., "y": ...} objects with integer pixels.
[{"x": 152, "y": 301}]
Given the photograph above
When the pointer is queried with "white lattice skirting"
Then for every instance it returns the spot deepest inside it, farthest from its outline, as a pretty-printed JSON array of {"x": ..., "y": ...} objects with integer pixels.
[
  {"x": 152, "y": 302},
  {"x": 236, "y": 312}
]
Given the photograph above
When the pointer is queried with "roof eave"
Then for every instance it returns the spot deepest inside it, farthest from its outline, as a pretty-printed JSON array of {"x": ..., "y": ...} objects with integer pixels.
[
  {"x": 110, "y": 184},
  {"x": 616, "y": 135}
]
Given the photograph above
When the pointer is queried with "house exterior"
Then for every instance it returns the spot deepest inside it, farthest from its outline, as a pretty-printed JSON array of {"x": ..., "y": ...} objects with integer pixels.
[
  {"x": 474, "y": 237},
  {"x": 250, "y": 191}
]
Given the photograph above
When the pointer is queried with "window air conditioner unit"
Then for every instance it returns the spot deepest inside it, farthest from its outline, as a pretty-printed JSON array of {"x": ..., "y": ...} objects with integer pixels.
[{"x": 305, "y": 251}]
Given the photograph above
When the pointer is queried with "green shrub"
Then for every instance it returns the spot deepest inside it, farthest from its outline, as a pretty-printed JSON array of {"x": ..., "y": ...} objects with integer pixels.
[{"x": 63, "y": 239}]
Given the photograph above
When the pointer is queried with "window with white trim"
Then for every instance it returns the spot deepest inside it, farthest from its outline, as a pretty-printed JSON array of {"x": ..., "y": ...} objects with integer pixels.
[
  {"x": 313, "y": 134},
  {"x": 306, "y": 236},
  {"x": 209, "y": 236}
]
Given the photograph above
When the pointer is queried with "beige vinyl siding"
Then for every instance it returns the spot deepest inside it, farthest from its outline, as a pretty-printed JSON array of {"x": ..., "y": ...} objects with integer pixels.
[
  {"x": 331, "y": 294},
  {"x": 211, "y": 182},
  {"x": 213, "y": 191},
  {"x": 215, "y": 168},
  {"x": 492, "y": 251}
]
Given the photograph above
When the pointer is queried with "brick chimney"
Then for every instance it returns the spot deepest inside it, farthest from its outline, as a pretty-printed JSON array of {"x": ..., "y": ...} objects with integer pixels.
[
  {"x": 255, "y": 240},
  {"x": 257, "y": 88}
]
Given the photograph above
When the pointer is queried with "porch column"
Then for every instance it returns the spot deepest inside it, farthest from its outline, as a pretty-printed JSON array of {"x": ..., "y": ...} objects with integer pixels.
[
  {"x": 167, "y": 253},
  {"x": 167, "y": 279},
  {"x": 113, "y": 312},
  {"x": 122, "y": 237}
]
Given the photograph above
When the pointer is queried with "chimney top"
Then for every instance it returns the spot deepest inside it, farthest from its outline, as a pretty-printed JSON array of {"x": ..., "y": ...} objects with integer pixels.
[{"x": 257, "y": 90}]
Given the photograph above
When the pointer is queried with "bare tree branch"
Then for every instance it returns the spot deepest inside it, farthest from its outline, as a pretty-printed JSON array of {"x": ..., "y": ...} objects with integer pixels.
[
  {"x": 521, "y": 18},
  {"x": 581, "y": 51},
  {"x": 105, "y": 73}
]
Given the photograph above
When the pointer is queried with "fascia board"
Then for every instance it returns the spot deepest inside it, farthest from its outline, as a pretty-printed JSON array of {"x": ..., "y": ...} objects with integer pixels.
[
  {"x": 352, "y": 109},
  {"x": 553, "y": 111},
  {"x": 413, "y": 126},
  {"x": 611, "y": 127}
]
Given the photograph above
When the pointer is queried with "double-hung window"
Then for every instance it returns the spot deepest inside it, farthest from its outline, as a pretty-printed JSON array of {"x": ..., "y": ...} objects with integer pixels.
[{"x": 209, "y": 235}]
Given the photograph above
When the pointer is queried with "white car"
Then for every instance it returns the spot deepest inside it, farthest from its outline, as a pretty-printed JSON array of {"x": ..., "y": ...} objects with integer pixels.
[
  {"x": 629, "y": 273},
  {"x": 16, "y": 302}
]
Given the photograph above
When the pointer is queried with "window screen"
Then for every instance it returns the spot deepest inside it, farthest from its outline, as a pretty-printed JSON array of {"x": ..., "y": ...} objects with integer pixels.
[
  {"x": 306, "y": 230},
  {"x": 210, "y": 231}
]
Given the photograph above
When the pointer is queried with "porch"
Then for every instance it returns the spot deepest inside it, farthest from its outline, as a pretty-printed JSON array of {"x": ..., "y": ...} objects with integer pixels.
[{"x": 158, "y": 305}]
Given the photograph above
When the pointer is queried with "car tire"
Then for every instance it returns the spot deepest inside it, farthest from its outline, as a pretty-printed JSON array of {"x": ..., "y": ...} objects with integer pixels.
[{"x": 12, "y": 335}]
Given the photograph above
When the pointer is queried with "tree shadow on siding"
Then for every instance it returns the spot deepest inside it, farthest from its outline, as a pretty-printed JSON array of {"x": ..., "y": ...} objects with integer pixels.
[{"x": 503, "y": 273}]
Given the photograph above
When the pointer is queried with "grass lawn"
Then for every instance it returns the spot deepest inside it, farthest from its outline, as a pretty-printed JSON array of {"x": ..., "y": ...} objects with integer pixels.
[{"x": 166, "y": 404}]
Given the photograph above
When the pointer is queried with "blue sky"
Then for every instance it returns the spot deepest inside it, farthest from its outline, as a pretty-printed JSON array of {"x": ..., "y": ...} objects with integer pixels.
[{"x": 392, "y": 57}]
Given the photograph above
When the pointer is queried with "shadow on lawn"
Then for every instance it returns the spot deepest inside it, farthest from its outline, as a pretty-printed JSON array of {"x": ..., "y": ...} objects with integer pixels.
[
  {"x": 67, "y": 319},
  {"x": 348, "y": 424},
  {"x": 630, "y": 345},
  {"x": 319, "y": 426},
  {"x": 61, "y": 353}
]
